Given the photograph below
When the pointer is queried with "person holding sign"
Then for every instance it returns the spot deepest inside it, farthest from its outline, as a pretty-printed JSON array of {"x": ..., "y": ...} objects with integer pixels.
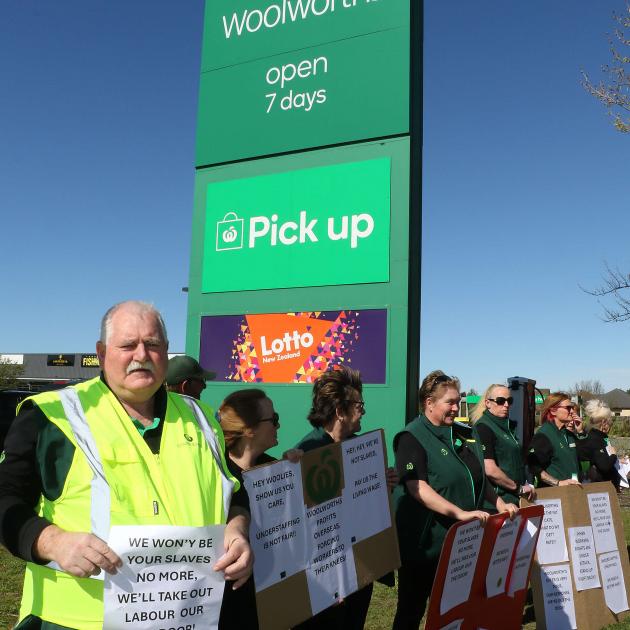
[
  {"x": 595, "y": 449},
  {"x": 442, "y": 480},
  {"x": 503, "y": 460},
  {"x": 336, "y": 415},
  {"x": 552, "y": 454},
  {"x": 116, "y": 450},
  {"x": 250, "y": 425}
]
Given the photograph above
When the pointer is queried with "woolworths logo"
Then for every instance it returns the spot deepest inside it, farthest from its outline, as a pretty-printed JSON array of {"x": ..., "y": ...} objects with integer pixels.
[
  {"x": 270, "y": 231},
  {"x": 284, "y": 12}
]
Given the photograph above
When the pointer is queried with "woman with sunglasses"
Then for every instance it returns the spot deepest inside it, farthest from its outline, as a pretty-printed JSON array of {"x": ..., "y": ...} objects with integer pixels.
[
  {"x": 336, "y": 415},
  {"x": 502, "y": 457},
  {"x": 250, "y": 426},
  {"x": 442, "y": 481},
  {"x": 552, "y": 455}
]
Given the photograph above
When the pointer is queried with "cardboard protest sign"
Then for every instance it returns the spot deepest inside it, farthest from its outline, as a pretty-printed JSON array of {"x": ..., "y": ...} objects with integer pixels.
[
  {"x": 166, "y": 581},
  {"x": 481, "y": 579},
  {"x": 586, "y": 587},
  {"x": 321, "y": 529}
]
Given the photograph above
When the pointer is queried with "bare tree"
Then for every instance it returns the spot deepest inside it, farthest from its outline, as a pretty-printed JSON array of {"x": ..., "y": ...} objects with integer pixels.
[
  {"x": 615, "y": 92},
  {"x": 614, "y": 285},
  {"x": 9, "y": 373},
  {"x": 587, "y": 387}
]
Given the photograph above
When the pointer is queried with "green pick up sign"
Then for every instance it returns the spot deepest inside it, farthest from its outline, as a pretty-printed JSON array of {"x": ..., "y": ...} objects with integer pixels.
[
  {"x": 297, "y": 74},
  {"x": 309, "y": 227}
]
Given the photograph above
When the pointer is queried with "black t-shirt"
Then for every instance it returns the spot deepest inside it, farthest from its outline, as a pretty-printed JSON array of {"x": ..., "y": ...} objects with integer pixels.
[
  {"x": 411, "y": 459},
  {"x": 488, "y": 440}
]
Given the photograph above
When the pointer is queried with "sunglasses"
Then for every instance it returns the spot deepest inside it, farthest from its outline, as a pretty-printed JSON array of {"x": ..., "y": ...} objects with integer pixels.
[
  {"x": 567, "y": 407},
  {"x": 275, "y": 420},
  {"x": 501, "y": 400}
]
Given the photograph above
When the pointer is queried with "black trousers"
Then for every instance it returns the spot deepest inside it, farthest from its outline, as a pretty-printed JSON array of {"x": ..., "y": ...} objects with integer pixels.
[
  {"x": 348, "y": 615},
  {"x": 415, "y": 581}
]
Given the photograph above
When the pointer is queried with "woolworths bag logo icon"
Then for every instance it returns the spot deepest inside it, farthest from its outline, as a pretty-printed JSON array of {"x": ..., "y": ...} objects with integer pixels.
[
  {"x": 323, "y": 480},
  {"x": 229, "y": 232}
]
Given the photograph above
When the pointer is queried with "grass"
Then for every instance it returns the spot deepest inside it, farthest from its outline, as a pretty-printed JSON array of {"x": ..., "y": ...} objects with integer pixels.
[
  {"x": 380, "y": 615},
  {"x": 11, "y": 572}
]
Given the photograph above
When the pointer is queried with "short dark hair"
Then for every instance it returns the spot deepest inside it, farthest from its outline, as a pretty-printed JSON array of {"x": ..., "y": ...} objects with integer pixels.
[
  {"x": 332, "y": 391},
  {"x": 238, "y": 412}
]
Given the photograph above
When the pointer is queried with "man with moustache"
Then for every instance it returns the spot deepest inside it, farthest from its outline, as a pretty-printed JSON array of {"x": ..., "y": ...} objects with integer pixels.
[{"x": 115, "y": 450}]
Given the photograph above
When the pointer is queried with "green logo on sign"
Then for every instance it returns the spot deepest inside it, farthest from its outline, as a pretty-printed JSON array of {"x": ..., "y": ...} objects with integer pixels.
[{"x": 323, "y": 480}]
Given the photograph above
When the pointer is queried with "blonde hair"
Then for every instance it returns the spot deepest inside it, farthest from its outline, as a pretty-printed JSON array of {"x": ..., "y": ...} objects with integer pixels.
[
  {"x": 480, "y": 407},
  {"x": 598, "y": 411}
]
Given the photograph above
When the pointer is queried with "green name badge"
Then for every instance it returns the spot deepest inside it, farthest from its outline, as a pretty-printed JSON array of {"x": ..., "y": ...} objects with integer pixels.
[{"x": 310, "y": 227}]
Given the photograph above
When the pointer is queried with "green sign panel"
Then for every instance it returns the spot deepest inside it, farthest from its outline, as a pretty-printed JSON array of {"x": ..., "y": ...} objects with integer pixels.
[
  {"x": 237, "y": 31},
  {"x": 308, "y": 227},
  {"x": 296, "y": 74}
]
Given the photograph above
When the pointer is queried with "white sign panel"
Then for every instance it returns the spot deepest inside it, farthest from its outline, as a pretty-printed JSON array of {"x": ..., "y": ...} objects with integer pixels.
[
  {"x": 552, "y": 544},
  {"x": 461, "y": 565},
  {"x": 583, "y": 558},
  {"x": 276, "y": 499},
  {"x": 613, "y": 582},
  {"x": 523, "y": 557},
  {"x": 601, "y": 519},
  {"x": 288, "y": 537},
  {"x": 365, "y": 486},
  {"x": 496, "y": 578},
  {"x": 331, "y": 574},
  {"x": 166, "y": 579},
  {"x": 558, "y": 597}
]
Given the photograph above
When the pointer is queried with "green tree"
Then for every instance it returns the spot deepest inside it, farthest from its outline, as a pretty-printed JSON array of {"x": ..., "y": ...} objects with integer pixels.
[
  {"x": 614, "y": 92},
  {"x": 9, "y": 373}
]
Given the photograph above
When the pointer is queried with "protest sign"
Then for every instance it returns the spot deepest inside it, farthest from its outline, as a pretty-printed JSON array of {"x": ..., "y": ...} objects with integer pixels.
[
  {"x": 166, "y": 581},
  {"x": 482, "y": 575},
  {"x": 587, "y": 589},
  {"x": 321, "y": 529}
]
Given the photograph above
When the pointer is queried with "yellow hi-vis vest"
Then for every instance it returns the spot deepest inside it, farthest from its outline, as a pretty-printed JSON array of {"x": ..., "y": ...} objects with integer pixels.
[{"x": 115, "y": 479}]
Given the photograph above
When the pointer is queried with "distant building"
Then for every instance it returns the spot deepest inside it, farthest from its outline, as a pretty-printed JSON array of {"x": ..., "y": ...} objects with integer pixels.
[{"x": 48, "y": 371}]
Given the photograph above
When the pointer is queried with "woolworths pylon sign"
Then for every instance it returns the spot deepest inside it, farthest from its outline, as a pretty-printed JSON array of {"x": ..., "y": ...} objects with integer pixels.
[
  {"x": 301, "y": 73},
  {"x": 307, "y": 217}
]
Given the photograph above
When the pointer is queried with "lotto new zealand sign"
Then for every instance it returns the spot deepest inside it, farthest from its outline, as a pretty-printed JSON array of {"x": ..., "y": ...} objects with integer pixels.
[
  {"x": 308, "y": 227},
  {"x": 295, "y": 74}
]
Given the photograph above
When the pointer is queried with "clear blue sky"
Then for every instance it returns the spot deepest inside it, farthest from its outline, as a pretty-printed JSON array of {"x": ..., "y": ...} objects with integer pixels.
[{"x": 525, "y": 180}]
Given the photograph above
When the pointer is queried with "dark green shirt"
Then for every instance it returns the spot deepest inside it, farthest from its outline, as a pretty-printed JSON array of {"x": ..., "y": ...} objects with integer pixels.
[
  {"x": 504, "y": 449},
  {"x": 553, "y": 450}
]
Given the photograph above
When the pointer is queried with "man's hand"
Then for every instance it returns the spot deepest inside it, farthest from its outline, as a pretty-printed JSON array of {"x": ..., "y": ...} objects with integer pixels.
[
  {"x": 78, "y": 553},
  {"x": 238, "y": 560}
]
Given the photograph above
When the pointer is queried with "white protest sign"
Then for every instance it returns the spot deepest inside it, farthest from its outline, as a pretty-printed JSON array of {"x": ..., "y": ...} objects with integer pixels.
[
  {"x": 276, "y": 499},
  {"x": 583, "y": 558},
  {"x": 166, "y": 581},
  {"x": 461, "y": 565},
  {"x": 331, "y": 573},
  {"x": 613, "y": 582},
  {"x": 601, "y": 519},
  {"x": 558, "y": 597},
  {"x": 552, "y": 544},
  {"x": 496, "y": 578},
  {"x": 365, "y": 486},
  {"x": 523, "y": 557}
]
